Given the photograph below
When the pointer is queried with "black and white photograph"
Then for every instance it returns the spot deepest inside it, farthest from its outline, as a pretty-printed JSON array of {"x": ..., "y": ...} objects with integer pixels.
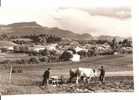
[{"x": 71, "y": 46}]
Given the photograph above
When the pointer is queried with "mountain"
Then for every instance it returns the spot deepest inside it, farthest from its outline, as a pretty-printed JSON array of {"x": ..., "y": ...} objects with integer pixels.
[
  {"x": 24, "y": 24},
  {"x": 33, "y": 28},
  {"x": 68, "y": 34},
  {"x": 85, "y": 36}
]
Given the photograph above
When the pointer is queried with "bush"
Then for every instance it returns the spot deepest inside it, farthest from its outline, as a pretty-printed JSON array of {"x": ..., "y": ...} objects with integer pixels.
[
  {"x": 44, "y": 52},
  {"x": 43, "y": 59},
  {"x": 33, "y": 53},
  {"x": 21, "y": 61},
  {"x": 66, "y": 56},
  {"x": 34, "y": 60}
]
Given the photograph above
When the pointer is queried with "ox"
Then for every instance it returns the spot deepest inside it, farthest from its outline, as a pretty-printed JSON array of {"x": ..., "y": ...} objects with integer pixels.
[{"x": 85, "y": 74}]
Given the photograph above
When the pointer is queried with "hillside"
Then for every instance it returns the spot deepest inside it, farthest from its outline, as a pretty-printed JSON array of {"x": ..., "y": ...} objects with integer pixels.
[{"x": 33, "y": 28}]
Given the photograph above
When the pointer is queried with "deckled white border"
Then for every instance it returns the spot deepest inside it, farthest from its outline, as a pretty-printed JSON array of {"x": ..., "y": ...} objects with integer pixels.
[{"x": 99, "y": 96}]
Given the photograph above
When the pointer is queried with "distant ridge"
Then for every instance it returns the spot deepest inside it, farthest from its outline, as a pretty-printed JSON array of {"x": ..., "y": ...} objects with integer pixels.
[
  {"x": 23, "y": 24},
  {"x": 33, "y": 28}
]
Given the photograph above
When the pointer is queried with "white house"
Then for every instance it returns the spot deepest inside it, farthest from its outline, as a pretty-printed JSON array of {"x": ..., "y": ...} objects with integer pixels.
[
  {"x": 75, "y": 58},
  {"x": 51, "y": 46},
  {"x": 77, "y": 49},
  {"x": 37, "y": 48},
  {"x": 10, "y": 48}
]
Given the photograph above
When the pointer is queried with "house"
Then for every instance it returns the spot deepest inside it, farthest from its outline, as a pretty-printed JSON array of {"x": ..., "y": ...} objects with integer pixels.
[
  {"x": 75, "y": 58},
  {"x": 106, "y": 45},
  {"x": 77, "y": 49},
  {"x": 37, "y": 48},
  {"x": 7, "y": 46},
  {"x": 52, "y": 46}
]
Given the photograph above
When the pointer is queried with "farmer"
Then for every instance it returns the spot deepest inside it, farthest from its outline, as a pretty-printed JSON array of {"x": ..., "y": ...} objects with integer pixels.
[
  {"x": 102, "y": 74},
  {"x": 46, "y": 76}
]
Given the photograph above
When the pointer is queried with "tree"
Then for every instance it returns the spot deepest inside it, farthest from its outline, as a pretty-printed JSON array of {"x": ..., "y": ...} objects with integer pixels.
[
  {"x": 44, "y": 52},
  {"x": 4, "y": 37},
  {"x": 126, "y": 43},
  {"x": 34, "y": 60},
  {"x": 66, "y": 56},
  {"x": 43, "y": 59},
  {"x": 114, "y": 44}
]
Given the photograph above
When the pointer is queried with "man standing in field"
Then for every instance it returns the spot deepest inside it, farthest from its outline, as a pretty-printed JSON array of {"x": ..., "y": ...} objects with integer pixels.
[
  {"x": 102, "y": 74},
  {"x": 46, "y": 76}
]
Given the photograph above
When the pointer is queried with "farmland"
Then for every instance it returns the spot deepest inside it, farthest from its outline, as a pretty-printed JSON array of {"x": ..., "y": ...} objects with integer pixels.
[
  {"x": 27, "y": 49},
  {"x": 119, "y": 76}
]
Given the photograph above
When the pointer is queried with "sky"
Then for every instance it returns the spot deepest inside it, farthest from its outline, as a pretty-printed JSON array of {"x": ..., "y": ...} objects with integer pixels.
[{"x": 97, "y": 17}]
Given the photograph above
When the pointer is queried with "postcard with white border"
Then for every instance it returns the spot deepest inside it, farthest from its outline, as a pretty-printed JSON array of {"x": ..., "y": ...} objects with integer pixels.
[{"x": 65, "y": 46}]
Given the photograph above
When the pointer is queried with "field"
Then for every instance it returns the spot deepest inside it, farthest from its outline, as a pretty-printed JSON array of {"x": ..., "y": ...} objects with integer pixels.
[{"x": 119, "y": 76}]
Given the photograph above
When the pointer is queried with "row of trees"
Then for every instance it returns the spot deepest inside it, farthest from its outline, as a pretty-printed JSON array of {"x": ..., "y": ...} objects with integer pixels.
[
  {"x": 40, "y": 38},
  {"x": 116, "y": 45},
  {"x": 43, "y": 38}
]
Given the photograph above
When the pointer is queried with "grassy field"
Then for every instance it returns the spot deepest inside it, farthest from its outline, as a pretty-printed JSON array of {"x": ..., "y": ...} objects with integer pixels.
[{"x": 28, "y": 81}]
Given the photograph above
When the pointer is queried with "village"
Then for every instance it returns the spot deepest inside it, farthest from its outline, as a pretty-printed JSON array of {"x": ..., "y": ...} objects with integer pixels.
[{"x": 64, "y": 50}]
